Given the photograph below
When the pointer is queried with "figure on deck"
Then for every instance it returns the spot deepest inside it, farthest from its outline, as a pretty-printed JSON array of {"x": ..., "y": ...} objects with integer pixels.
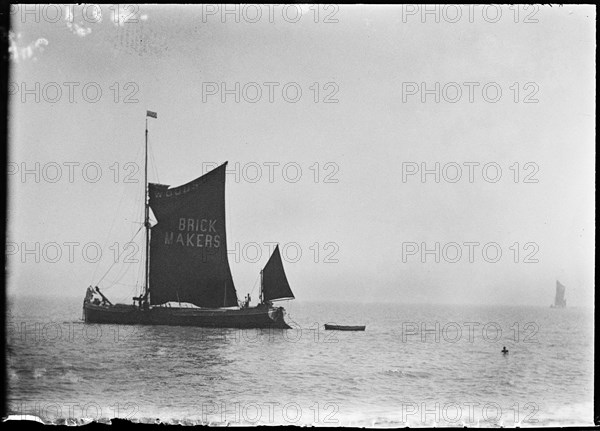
[{"x": 89, "y": 295}]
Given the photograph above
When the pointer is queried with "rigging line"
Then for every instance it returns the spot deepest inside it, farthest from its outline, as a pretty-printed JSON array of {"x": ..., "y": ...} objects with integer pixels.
[
  {"x": 228, "y": 215},
  {"x": 134, "y": 214},
  {"x": 121, "y": 284},
  {"x": 154, "y": 164},
  {"x": 138, "y": 206},
  {"x": 140, "y": 276},
  {"x": 228, "y": 231},
  {"x": 155, "y": 169},
  {"x": 139, "y": 150},
  {"x": 139, "y": 212},
  {"x": 135, "y": 211},
  {"x": 118, "y": 211},
  {"x": 112, "y": 225},
  {"x": 133, "y": 292},
  {"x": 124, "y": 298},
  {"x": 123, "y": 272},
  {"x": 254, "y": 287},
  {"x": 139, "y": 196},
  {"x": 119, "y": 276},
  {"x": 114, "y": 263}
]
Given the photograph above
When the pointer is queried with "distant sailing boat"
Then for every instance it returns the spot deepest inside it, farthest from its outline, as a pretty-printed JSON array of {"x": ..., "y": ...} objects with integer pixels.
[
  {"x": 186, "y": 261},
  {"x": 559, "y": 299}
]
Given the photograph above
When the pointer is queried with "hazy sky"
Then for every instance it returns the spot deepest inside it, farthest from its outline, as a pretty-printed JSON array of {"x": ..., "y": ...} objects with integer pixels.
[{"x": 353, "y": 209}]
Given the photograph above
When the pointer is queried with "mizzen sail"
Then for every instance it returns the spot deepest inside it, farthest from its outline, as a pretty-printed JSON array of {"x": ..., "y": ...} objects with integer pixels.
[
  {"x": 274, "y": 282},
  {"x": 188, "y": 245}
]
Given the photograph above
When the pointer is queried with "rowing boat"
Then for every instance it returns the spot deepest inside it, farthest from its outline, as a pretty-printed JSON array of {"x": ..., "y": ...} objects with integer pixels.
[{"x": 344, "y": 328}]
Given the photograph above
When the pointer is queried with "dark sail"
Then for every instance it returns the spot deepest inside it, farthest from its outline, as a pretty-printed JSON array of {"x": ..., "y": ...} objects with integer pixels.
[
  {"x": 559, "y": 299},
  {"x": 188, "y": 246},
  {"x": 274, "y": 281}
]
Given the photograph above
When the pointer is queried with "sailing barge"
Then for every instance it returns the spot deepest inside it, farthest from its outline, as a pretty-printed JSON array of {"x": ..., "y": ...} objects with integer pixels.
[
  {"x": 559, "y": 298},
  {"x": 186, "y": 262}
]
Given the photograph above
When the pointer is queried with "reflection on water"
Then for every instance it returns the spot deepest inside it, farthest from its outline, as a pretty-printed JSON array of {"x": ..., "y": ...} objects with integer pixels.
[{"x": 415, "y": 365}]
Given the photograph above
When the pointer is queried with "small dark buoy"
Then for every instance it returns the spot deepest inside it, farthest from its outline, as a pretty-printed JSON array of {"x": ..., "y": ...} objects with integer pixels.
[{"x": 504, "y": 350}]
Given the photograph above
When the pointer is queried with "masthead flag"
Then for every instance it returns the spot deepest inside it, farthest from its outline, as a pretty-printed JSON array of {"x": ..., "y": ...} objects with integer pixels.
[{"x": 151, "y": 114}]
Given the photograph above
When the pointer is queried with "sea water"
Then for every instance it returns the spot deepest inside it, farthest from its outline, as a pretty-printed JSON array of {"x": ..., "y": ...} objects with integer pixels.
[{"x": 416, "y": 365}]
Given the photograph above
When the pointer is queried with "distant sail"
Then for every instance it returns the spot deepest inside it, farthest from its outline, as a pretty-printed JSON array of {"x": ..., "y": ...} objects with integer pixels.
[
  {"x": 559, "y": 299},
  {"x": 274, "y": 282},
  {"x": 188, "y": 246}
]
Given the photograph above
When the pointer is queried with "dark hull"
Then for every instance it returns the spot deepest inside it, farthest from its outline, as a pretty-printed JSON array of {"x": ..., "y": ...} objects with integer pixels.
[
  {"x": 344, "y": 328},
  {"x": 255, "y": 317}
]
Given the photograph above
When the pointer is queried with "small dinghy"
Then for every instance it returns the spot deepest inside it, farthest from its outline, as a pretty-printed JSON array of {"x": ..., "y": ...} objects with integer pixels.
[{"x": 329, "y": 327}]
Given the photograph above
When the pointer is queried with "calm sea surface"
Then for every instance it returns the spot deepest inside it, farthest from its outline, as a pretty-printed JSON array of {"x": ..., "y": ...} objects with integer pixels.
[{"x": 414, "y": 365}]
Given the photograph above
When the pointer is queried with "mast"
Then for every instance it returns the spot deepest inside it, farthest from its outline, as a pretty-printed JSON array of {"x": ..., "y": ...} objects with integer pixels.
[
  {"x": 146, "y": 217},
  {"x": 261, "y": 286},
  {"x": 147, "y": 214}
]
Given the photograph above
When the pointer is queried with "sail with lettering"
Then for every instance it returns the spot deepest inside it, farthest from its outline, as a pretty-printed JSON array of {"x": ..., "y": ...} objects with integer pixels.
[
  {"x": 559, "y": 299},
  {"x": 188, "y": 245},
  {"x": 275, "y": 285}
]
